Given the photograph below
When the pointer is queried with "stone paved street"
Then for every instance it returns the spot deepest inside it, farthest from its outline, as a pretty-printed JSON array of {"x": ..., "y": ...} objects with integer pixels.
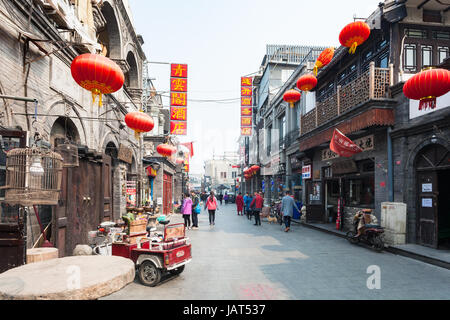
[{"x": 237, "y": 260}]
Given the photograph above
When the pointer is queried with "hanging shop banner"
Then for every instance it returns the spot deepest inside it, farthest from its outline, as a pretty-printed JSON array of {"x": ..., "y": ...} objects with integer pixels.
[
  {"x": 178, "y": 99},
  {"x": 342, "y": 145},
  {"x": 178, "y": 127},
  {"x": 246, "y": 106},
  {"x": 125, "y": 154},
  {"x": 365, "y": 143},
  {"x": 150, "y": 172},
  {"x": 178, "y": 113}
]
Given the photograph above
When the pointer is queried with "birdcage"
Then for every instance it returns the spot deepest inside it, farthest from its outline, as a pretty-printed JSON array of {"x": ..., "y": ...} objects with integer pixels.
[
  {"x": 33, "y": 176},
  {"x": 69, "y": 153}
]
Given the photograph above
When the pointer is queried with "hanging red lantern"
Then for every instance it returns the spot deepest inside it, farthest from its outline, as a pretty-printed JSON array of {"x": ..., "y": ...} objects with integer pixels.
[
  {"x": 292, "y": 96},
  {"x": 166, "y": 150},
  {"x": 324, "y": 58},
  {"x": 426, "y": 86},
  {"x": 98, "y": 74},
  {"x": 307, "y": 82},
  {"x": 255, "y": 169},
  {"x": 354, "y": 34},
  {"x": 139, "y": 122}
]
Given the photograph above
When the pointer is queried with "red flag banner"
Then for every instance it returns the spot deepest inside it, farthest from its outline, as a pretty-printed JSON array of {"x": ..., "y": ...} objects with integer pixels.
[
  {"x": 190, "y": 146},
  {"x": 342, "y": 145}
]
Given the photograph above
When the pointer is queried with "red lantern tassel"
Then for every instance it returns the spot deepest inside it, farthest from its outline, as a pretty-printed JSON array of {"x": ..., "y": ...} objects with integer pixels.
[
  {"x": 427, "y": 102},
  {"x": 353, "y": 48}
]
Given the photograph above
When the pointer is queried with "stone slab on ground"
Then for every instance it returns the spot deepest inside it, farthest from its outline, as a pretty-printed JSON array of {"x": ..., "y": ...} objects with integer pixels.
[{"x": 69, "y": 278}]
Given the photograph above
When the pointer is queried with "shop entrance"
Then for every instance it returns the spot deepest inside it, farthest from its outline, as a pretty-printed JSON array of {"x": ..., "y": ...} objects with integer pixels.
[
  {"x": 167, "y": 193},
  {"x": 433, "y": 203},
  {"x": 331, "y": 199}
]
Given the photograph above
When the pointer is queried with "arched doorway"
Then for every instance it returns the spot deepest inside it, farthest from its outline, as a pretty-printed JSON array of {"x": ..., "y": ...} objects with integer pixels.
[
  {"x": 132, "y": 76},
  {"x": 432, "y": 166},
  {"x": 109, "y": 37},
  {"x": 64, "y": 129}
]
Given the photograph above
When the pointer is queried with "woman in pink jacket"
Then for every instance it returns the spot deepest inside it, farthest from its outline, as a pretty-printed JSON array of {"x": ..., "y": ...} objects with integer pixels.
[
  {"x": 186, "y": 210},
  {"x": 211, "y": 204}
]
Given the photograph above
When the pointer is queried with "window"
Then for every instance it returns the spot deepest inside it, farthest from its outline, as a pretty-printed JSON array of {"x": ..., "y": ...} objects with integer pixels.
[
  {"x": 441, "y": 35},
  {"x": 359, "y": 191},
  {"x": 409, "y": 53},
  {"x": 416, "y": 33},
  {"x": 427, "y": 52},
  {"x": 223, "y": 175},
  {"x": 282, "y": 126},
  {"x": 382, "y": 61},
  {"x": 234, "y": 174},
  {"x": 443, "y": 53}
]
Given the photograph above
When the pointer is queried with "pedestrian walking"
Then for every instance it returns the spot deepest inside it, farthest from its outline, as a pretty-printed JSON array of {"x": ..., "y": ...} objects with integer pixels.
[
  {"x": 287, "y": 208},
  {"x": 220, "y": 198},
  {"x": 225, "y": 198},
  {"x": 186, "y": 210},
  {"x": 195, "y": 212},
  {"x": 240, "y": 204},
  {"x": 247, "y": 201},
  {"x": 257, "y": 204},
  {"x": 211, "y": 204}
]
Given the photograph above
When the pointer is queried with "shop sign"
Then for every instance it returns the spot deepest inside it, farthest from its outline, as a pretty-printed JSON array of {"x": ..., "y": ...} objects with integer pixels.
[
  {"x": 365, "y": 143},
  {"x": 306, "y": 172},
  {"x": 427, "y": 187},
  {"x": 131, "y": 193},
  {"x": 125, "y": 154}
]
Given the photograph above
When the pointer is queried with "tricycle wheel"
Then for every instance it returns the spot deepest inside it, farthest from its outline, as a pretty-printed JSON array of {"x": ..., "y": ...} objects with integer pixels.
[
  {"x": 177, "y": 270},
  {"x": 149, "y": 274}
]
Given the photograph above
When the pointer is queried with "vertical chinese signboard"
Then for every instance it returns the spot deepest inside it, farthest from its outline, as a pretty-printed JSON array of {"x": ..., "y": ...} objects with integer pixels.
[
  {"x": 246, "y": 106},
  {"x": 178, "y": 99}
]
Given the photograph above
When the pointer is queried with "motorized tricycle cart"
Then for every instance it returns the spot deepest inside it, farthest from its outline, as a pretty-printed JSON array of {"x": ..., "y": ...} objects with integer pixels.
[{"x": 155, "y": 255}]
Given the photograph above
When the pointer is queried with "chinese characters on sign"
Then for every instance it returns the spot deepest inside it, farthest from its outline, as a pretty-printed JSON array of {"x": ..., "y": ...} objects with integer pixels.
[
  {"x": 178, "y": 99},
  {"x": 365, "y": 143},
  {"x": 246, "y": 105}
]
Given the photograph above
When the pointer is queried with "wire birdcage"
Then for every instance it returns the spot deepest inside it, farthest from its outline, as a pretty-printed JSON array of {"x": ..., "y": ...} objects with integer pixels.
[
  {"x": 33, "y": 176},
  {"x": 69, "y": 153}
]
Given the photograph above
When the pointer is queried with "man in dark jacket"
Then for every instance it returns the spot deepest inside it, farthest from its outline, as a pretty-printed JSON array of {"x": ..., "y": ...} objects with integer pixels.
[
  {"x": 257, "y": 205},
  {"x": 195, "y": 202}
]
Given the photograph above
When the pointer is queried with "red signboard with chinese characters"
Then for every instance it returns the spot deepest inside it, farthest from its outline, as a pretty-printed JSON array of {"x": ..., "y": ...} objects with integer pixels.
[
  {"x": 246, "y": 111},
  {"x": 246, "y": 106},
  {"x": 342, "y": 145},
  {"x": 246, "y": 121},
  {"x": 246, "y": 131},
  {"x": 246, "y": 81},
  {"x": 246, "y": 102},
  {"x": 178, "y": 70},
  {"x": 178, "y": 113},
  {"x": 178, "y": 127},
  {"x": 246, "y": 91},
  {"x": 178, "y": 84},
  {"x": 178, "y": 98}
]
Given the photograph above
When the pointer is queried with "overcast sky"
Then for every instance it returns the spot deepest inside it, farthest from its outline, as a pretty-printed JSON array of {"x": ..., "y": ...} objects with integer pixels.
[{"x": 224, "y": 40}]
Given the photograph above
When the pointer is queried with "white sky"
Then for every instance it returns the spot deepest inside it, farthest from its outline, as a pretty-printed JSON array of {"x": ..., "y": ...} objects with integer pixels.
[{"x": 224, "y": 40}]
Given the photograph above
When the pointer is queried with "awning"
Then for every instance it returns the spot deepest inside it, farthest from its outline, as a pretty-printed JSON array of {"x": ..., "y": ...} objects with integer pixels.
[{"x": 372, "y": 117}]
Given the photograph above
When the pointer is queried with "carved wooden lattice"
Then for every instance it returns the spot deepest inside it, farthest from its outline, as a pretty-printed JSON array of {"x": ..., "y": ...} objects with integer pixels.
[
  {"x": 354, "y": 93},
  {"x": 327, "y": 109},
  {"x": 309, "y": 121},
  {"x": 382, "y": 81}
]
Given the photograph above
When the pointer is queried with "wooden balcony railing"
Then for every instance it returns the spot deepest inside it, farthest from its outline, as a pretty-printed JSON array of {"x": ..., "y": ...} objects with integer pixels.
[{"x": 371, "y": 85}]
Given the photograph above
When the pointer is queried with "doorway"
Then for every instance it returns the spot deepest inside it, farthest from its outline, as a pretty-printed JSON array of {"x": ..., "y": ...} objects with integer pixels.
[{"x": 433, "y": 202}]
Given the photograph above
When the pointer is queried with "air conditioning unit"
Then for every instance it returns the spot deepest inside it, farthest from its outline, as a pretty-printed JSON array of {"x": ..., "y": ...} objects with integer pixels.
[{"x": 393, "y": 219}]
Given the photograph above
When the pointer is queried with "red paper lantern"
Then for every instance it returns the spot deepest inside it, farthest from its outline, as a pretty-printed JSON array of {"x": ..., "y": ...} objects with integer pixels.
[
  {"x": 254, "y": 169},
  {"x": 292, "y": 96},
  {"x": 307, "y": 82},
  {"x": 354, "y": 34},
  {"x": 97, "y": 73},
  {"x": 324, "y": 58},
  {"x": 166, "y": 150},
  {"x": 426, "y": 86},
  {"x": 139, "y": 122}
]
